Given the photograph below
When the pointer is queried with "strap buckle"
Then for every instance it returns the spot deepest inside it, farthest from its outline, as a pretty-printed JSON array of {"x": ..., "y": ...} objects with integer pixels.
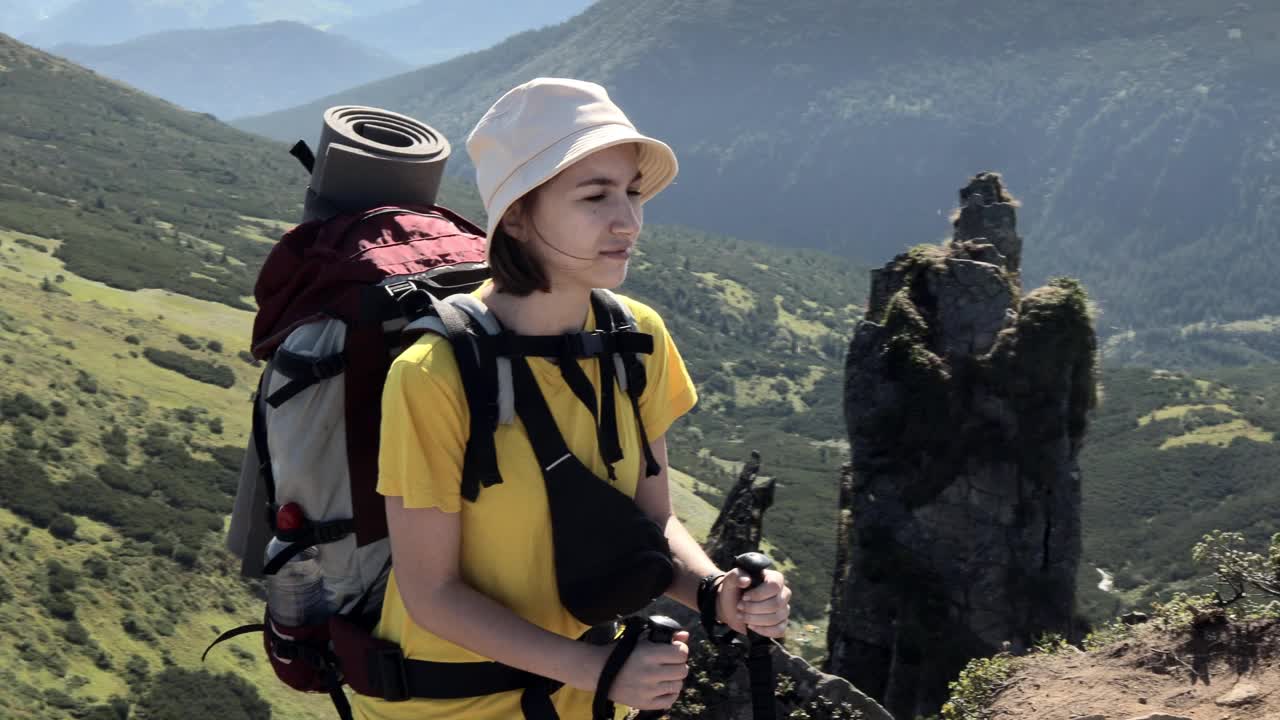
[
  {"x": 387, "y": 664},
  {"x": 409, "y": 298},
  {"x": 397, "y": 289},
  {"x": 587, "y": 344}
]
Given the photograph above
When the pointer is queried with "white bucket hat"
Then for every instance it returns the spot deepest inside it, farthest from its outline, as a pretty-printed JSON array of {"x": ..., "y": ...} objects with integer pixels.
[{"x": 545, "y": 125}]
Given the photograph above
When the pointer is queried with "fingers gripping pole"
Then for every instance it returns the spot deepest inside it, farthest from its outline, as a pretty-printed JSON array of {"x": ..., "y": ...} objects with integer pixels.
[{"x": 662, "y": 630}]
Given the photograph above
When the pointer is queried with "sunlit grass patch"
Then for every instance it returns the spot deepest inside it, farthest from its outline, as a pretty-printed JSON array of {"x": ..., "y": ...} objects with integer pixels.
[
  {"x": 796, "y": 324},
  {"x": 137, "y": 585},
  {"x": 256, "y": 234},
  {"x": 265, "y": 230},
  {"x": 1220, "y": 435},
  {"x": 732, "y": 292},
  {"x": 697, "y": 514},
  {"x": 754, "y": 391},
  {"x": 1214, "y": 390},
  {"x": 91, "y": 327},
  {"x": 1175, "y": 412}
]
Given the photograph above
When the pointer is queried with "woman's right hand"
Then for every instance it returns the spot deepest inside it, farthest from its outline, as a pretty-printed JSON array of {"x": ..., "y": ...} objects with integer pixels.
[{"x": 651, "y": 679}]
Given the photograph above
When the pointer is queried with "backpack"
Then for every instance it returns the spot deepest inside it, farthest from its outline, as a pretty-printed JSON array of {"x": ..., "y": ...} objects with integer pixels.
[{"x": 338, "y": 300}]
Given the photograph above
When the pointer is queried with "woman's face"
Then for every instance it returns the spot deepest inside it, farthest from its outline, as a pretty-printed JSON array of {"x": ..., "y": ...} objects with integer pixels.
[{"x": 584, "y": 222}]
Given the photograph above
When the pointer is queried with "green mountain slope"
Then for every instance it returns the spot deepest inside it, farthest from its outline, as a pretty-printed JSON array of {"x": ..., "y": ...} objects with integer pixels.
[
  {"x": 222, "y": 71},
  {"x": 1236, "y": 343},
  {"x": 1169, "y": 457},
  {"x": 1141, "y": 139}
]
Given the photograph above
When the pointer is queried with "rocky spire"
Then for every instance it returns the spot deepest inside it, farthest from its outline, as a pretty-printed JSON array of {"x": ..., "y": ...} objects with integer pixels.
[
  {"x": 966, "y": 406},
  {"x": 739, "y": 525}
]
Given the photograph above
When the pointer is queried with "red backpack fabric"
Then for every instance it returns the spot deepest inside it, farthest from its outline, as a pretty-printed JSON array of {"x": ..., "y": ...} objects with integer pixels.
[
  {"x": 332, "y": 269},
  {"x": 319, "y": 267}
]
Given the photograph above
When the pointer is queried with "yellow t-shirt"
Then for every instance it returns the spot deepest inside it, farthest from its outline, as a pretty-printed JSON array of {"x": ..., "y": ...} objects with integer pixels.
[{"x": 506, "y": 549}]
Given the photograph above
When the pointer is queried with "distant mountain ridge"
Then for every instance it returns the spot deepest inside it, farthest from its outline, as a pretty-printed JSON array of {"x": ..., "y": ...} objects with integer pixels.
[
  {"x": 431, "y": 31},
  {"x": 102, "y": 22},
  {"x": 1141, "y": 138},
  {"x": 237, "y": 71}
]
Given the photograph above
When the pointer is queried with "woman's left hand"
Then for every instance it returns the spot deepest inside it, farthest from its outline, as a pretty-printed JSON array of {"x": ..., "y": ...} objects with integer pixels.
[{"x": 764, "y": 609}]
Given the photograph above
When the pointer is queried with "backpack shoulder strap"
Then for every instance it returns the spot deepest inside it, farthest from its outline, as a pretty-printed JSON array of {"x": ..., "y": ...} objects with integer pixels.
[
  {"x": 484, "y": 320},
  {"x": 468, "y": 334}
]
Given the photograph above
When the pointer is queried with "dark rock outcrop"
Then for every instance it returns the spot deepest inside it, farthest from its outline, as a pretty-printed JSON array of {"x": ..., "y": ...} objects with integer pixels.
[
  {"x": 739, "y": 525},
  {"x": 718, "y": 687},
  {"x": 966, "y": 404}
]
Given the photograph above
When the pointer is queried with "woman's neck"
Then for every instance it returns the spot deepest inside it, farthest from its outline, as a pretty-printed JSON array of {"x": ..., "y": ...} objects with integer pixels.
[{"x": 563, "y": 310}]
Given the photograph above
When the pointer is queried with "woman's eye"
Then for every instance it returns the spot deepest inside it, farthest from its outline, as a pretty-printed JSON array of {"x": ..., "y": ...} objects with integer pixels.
[
  {"x": 594, "y": 198},
  {"x": 633, "y": 193}
]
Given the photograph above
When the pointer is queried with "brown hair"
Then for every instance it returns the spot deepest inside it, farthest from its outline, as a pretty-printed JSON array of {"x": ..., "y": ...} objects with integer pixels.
[{"x": 514, "y": 269}]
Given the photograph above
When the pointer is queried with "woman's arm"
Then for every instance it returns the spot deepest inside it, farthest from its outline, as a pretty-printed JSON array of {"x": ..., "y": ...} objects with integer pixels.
[
  {"x": 438, "y": 600},
  {"x": 425, "y": 543},
  {"x": 765, "y": 608},
  {"x": 653, "y": 495}
]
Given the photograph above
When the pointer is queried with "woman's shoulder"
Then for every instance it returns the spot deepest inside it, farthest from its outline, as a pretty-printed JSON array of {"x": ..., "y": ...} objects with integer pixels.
[
  {"x": 429, "y": 357},
  {"x": 647, "y": 319}
]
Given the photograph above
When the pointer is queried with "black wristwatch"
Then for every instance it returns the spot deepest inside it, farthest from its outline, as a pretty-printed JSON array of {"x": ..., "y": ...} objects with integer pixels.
[{"x": 708, "y": 595}]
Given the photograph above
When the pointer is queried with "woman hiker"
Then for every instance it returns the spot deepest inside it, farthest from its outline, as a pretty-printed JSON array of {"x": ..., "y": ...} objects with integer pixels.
[{"x": 564, "y": 176}]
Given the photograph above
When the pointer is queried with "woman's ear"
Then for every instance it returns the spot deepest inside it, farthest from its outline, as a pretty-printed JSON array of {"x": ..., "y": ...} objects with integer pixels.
[{"x": 513, "y": 220}]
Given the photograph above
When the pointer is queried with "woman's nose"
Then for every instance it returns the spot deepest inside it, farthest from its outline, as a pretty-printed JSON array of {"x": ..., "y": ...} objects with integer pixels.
[{"x": 627, "y": 220}]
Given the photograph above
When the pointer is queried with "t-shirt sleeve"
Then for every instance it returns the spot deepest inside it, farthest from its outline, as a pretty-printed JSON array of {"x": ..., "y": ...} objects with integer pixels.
[
  {"x": 424, "y": 428},
  {"x": 669, "y": 391}
]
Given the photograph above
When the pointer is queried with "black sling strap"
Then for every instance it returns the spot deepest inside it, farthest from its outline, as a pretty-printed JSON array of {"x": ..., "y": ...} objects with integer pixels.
[
  {"x": 548, "y": 444},
  {"x": 605, "y": 417}
]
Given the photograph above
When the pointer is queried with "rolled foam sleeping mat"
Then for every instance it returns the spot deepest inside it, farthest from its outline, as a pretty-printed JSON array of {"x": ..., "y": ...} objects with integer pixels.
[{"x": 370, "y": 157}]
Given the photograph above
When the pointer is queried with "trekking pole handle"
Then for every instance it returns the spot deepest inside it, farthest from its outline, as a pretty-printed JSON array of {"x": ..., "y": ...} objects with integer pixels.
[
  {"x": 753, "y": 564},
  {"x": 662, "y": 629}
]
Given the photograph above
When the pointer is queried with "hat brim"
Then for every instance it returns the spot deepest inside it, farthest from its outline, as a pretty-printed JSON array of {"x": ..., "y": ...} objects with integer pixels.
[{"x": 656, "y": 162}]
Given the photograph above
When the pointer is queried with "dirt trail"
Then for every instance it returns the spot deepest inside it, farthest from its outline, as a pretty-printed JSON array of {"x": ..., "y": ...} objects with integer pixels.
[{"x": 1217, "y": 672}]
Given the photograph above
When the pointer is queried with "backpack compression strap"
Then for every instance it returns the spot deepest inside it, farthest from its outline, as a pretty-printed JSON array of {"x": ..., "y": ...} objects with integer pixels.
[
  {"x": 313, "y": 533},
  {"x": 630, "y": 369}
]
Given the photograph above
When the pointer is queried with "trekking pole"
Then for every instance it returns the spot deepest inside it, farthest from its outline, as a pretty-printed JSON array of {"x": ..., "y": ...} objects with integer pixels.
[
  {"x": 662, "y": 629},
  {"x": 759, "y": 661}
]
